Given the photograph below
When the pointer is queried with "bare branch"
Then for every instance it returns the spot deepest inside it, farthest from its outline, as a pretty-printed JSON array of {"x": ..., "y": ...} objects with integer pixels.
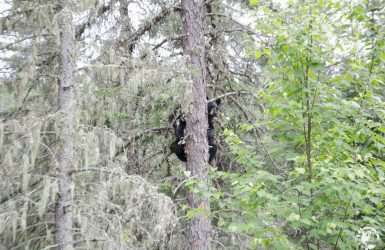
[
  {"x": 167, "y": 39},
  {"x": 101, "y": 11},
  {"x": 139, "y": 134},
  {"x": 148, "y": 25},
  {"x": 241, "y": 92}
]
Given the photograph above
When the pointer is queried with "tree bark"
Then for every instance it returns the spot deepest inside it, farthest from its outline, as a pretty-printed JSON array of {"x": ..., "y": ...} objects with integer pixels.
[
  {"x": 198, "y": 227},
  {"x": 63, "y": 209}
]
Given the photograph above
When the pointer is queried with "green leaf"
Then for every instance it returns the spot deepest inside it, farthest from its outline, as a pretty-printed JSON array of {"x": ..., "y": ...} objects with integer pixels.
[
  {"x": 300, "y": 170},
  {"x": 257, "y": 54},
  {"x": 190, "y": 213},
  {"x": 233, "y": 227},
  {"x": 254, "y": 2},
  {"x": 306, "y": 221},
  {"x": 267, "y": 52},
  {"x": 294, "y": 217}
]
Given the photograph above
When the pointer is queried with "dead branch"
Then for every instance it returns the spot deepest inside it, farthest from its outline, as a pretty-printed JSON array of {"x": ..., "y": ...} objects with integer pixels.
[
  {"x": 149, "y": 24},
  {"x": 240, "y": 92},
  {"x": 101, "y": 10},
  {"x": 167, "y": 39},
  {"x": 137, "y": 135}
]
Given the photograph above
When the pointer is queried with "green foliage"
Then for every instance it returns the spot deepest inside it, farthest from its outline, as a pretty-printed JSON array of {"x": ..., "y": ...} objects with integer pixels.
[
  {"x": 325, "y": 105},
  {"x": 166, "y": 189},
  {"x": 111, "y": 207},
  {"x": 300, "y": 135}
]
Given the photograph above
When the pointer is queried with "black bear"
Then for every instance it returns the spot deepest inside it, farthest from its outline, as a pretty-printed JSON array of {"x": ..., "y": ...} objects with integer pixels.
[{"x": 178, "y": 146}]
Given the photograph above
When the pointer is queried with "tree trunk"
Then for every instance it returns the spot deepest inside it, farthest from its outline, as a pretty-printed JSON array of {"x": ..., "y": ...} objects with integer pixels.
[
  {"x": 198, "y": 227},
  {"x": 63, "y": 210}
]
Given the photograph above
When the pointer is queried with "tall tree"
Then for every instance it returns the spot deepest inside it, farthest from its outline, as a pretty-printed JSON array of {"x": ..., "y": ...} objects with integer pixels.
[
  {"x": 63, "y": 213},
  {"x": 198, "y": 227}
]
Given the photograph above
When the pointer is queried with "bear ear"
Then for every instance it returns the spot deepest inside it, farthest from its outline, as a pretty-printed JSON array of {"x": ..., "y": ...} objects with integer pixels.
[{"x": 218, "y": 101}]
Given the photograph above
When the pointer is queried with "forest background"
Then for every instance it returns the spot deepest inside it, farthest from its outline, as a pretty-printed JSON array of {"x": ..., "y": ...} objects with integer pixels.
[{"x": 90, "y": 89}]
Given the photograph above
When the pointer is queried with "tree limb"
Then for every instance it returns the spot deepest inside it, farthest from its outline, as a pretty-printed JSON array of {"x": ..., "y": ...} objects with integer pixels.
[
  {"x": 139, "y": 134},
  {"x": 101, "y": 11},
  {"x": 148, "y": 25},
  {"x": 241, "y": 92}
]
